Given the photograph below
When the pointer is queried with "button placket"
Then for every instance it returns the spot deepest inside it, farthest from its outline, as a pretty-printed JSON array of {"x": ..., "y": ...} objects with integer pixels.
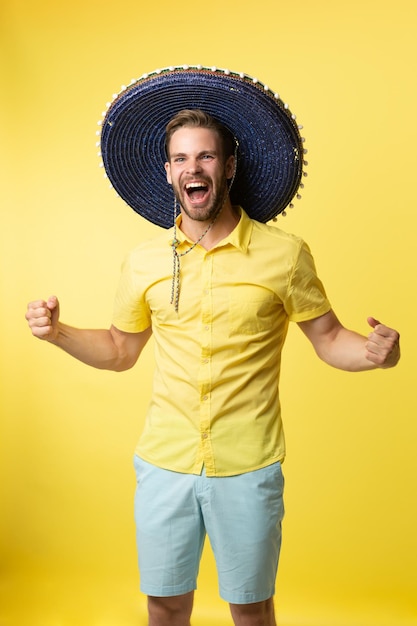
[{"x": 204, "y": 376}]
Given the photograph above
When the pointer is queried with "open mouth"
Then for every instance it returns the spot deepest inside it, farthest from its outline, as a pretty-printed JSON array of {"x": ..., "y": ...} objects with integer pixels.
[{"x": 196, "y": 191}]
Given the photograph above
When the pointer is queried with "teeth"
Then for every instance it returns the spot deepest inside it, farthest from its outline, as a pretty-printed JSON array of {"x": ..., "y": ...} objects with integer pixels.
[{"x": 194, "y": 185}]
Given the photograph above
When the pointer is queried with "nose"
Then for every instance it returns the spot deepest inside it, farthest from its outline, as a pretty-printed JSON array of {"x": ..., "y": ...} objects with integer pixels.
[{"x": 194, "y": 166}]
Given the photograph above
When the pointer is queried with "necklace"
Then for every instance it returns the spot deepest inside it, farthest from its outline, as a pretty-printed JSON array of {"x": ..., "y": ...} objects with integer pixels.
[{"x": 175, "y": 287}]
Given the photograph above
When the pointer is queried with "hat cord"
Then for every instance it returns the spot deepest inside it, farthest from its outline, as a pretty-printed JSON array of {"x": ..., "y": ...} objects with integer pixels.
[{"x": 175, "y": 287}]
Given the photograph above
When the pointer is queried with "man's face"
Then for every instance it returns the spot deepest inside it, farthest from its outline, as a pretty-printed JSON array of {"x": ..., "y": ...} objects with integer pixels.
[{"x": 197, "y": 172}]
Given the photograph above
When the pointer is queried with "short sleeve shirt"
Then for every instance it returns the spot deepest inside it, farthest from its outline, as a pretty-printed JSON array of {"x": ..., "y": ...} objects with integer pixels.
[{"x": 215, "y": 398}]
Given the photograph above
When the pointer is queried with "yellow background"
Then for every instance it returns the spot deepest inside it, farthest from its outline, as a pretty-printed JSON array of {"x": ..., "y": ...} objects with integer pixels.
[{"x": 348, "y": 70}]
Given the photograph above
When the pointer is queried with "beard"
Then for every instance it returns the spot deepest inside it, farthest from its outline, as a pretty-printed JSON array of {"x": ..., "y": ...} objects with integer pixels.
[{"x": 208, "y": 213}]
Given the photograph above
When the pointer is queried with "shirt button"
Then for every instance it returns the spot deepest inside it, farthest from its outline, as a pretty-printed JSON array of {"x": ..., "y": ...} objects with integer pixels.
[
  {"x": 205, "y": 397},
  {"x": 204, "y": 435}
]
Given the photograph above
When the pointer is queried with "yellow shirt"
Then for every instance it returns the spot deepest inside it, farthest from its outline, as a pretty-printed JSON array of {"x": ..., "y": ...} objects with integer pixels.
[{"x": 215, "y": 399}]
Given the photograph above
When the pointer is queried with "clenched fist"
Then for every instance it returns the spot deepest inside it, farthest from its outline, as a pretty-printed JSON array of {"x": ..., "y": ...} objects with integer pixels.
[
  {"x": 43, "y": 317},
  {"x": 383, "y": 345}
]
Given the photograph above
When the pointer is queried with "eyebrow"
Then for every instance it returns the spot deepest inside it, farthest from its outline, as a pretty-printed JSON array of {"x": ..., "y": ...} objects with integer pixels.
[{"x": 184, "y": 154}]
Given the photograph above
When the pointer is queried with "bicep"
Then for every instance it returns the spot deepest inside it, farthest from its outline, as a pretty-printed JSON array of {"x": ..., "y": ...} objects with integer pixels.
[
  {"x": 320, "y": 326},
  {"x": 129, "y": 345},
  {"x": 321, "y": 331}
]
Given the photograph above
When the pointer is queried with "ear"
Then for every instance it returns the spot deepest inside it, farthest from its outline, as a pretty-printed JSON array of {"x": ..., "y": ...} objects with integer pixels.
[
  {"x": 168, "y": 171},
  {"x": 230, "y": 167}
]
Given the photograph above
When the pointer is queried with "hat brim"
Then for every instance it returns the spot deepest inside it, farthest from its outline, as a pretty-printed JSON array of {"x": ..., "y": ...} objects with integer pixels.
[{"x": 270, "y": 153}]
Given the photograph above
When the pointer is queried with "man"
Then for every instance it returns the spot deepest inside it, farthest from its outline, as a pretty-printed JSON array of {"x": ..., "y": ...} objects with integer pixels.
[{"x": 209, "y": 459}]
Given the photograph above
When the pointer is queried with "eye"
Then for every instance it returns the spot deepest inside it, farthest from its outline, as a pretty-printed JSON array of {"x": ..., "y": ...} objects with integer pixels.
[{"x": 179, "y": 159}]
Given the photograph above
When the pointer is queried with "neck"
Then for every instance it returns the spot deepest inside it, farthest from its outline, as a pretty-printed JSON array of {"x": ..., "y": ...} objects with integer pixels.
[{"x": 215, "y": 230}]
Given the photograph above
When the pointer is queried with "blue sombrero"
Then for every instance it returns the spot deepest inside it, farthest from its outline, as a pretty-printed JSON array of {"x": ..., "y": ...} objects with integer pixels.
[{"x": 270, "y": 156}]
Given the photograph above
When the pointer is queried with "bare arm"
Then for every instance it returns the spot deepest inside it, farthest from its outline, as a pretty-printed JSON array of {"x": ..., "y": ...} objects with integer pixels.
[
  {"x": 348, "y": 350},
  {"x": 110, "y": 349}
]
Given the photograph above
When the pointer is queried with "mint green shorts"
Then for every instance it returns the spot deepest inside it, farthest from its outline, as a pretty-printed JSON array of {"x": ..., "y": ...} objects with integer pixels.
[{"x": 241, "y": 515}]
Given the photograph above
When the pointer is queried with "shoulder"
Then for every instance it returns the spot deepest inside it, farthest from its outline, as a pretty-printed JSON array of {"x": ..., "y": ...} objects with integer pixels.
[
  {"x": 153, "y": 247},
  {"x": 275, "y": 236}
]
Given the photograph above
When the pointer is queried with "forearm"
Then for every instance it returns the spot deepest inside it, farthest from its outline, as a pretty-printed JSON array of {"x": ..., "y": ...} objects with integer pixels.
[
  {"x": 347, "y": 350},
  {"x": 93, "y": 347}
]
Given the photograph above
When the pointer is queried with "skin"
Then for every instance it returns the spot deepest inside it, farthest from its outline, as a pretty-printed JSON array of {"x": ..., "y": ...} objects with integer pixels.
[{"x": 196, "y": 157}]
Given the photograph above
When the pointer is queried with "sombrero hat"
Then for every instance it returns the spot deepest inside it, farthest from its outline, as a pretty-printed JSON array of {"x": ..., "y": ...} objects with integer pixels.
[{"x": 270, "y": 157}]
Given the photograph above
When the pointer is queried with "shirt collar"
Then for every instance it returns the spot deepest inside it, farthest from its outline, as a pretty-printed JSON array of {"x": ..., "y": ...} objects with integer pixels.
[{"x": 239, "y": 237}]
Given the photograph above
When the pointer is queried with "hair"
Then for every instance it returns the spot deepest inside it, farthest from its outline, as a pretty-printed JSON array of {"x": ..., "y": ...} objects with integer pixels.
[{"x": 196, "y": 118}]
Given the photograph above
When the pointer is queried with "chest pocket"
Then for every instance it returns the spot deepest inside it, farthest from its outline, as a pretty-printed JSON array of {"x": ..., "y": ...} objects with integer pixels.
[{"x": 252, "y": 310}]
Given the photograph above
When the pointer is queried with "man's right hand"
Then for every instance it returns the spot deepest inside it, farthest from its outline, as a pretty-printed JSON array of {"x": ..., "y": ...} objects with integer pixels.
[{"x": 42, "y": 317}]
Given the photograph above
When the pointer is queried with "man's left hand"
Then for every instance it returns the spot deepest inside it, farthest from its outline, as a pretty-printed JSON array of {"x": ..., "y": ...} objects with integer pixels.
[{"x": 383, "y": 345}]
